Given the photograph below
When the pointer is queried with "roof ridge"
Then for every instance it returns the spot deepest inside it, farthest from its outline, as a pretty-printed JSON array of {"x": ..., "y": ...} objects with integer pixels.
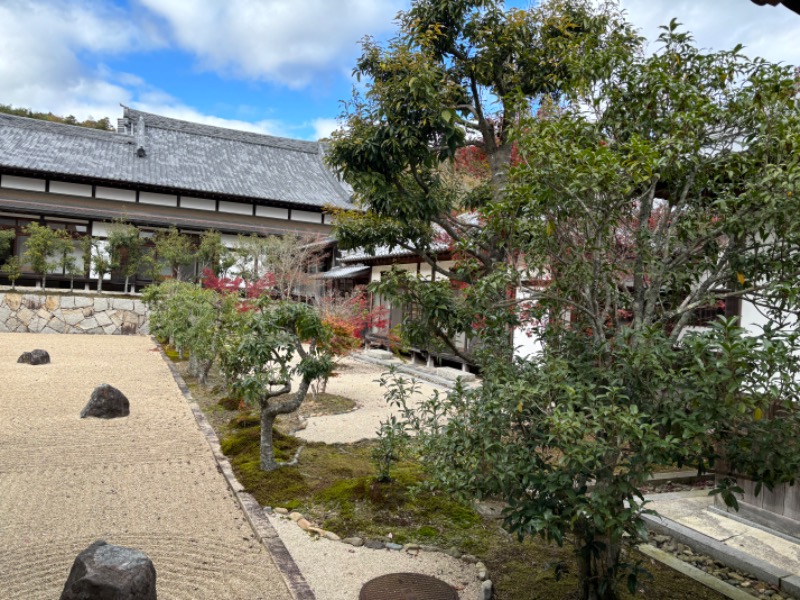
[
  {"x": 239, "y": 135},
  {"x": 63, "y": 128}
]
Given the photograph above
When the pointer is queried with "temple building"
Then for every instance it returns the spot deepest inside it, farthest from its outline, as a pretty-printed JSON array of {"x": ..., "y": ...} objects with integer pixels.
[{"x": 156, "y": 172}]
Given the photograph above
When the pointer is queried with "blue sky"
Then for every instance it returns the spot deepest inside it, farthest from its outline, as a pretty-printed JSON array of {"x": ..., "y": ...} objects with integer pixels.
[{"x": 275, "y": 66}]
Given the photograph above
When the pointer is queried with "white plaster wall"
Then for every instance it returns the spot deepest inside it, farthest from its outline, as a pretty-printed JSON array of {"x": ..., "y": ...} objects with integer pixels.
[
  {"x": 272, "y": 212},
  {"x": 306, "y": 216},
  {"x": 70, "y": 189},
  {"x": 157, "y": 199},
  {"x": 115, "y": 194},
  {"x": 237, "y": 208},
  {"x": 228, "y": 240},
  {"x": 198, "y": 203},
  {"x": 23, "y": 183}
]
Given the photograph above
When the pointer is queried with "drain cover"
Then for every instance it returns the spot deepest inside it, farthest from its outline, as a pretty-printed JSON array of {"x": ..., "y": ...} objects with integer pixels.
[{"x": 407, "y": 586}]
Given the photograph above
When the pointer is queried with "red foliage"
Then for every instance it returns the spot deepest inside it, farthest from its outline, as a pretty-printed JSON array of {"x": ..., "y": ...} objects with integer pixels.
[
  {"x": 237, "y": 285},
  {"x": 472, "y": 161}
]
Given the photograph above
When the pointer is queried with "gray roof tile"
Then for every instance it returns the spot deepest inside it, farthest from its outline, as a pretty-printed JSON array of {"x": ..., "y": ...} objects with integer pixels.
[{"x": 179, "y": 154}]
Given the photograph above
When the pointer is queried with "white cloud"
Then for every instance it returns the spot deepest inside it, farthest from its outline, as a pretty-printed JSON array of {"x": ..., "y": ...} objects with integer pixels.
[
  {"x": 324, "y": 127},
  {"x": 40, "y": 69},
  {"x": 39, "y": 46},
  {"x": 177, "y": 110},
  {"x": 766, "y": 31},
  {"x": 289, "y": 42}
]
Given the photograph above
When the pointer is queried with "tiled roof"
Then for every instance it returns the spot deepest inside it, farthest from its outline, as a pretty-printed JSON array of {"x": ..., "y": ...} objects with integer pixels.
[
  {"x": 360, "y": 255},
  {"x": 177, "y": 154},
  {"x": 345, "y": 272},
  {"x": 440, "y": 245}
]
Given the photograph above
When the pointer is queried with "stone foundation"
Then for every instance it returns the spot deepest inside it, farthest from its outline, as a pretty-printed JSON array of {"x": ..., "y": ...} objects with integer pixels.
[{"x": 70, "y": 313}]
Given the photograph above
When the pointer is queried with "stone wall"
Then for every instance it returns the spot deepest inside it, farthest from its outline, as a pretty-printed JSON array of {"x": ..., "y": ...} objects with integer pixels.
[{"x": 72, "y": 313}]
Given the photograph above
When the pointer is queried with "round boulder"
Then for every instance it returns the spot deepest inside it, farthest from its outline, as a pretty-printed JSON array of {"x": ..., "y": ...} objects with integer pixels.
[
  {"x": 34, "y": 357},
  {"x": 107, "y": 572},
  {"x": 106, "y": 402}
]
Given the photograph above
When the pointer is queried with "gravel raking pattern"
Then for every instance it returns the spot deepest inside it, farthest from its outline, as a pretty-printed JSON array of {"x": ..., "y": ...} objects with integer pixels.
[{"x": 147, "y": 481}]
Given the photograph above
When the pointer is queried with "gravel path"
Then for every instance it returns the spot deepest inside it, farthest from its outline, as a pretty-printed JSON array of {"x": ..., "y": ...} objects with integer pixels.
[
  {"x": 337, "y": 571},
  {"x": 358, "y": 381},
  {"x": 147, "y": 481}
]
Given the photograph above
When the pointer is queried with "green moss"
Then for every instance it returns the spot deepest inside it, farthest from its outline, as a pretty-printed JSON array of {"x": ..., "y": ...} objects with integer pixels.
[
  {"x": 172, "y": 354},
  {"x": 426, "y": 532},
  {"x": 329, "y": 404},
  {"x": 229, "y": 403},
  {"x": 241, "y": 441}
]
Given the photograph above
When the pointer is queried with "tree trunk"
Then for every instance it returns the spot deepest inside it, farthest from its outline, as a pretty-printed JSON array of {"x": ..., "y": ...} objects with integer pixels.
[
  {"x": 194, "y": 366},
  {"x": 268, "y": 462},
  {"x": 44, "y": 281},
  {"x": 125, "y": 291},
  {"x": 100, "y": 283},
  {"x": 598, "y": 559},
  {"x": 204, "y": 369},
  {"x": 268, "y": 414}
]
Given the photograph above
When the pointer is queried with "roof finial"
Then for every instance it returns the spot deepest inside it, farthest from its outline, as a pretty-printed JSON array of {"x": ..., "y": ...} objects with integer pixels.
[{"x": 140, "y": 138}]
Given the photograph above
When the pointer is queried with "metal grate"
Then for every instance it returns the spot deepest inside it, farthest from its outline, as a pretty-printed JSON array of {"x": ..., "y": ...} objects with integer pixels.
[{"x": 407, "y": 586}]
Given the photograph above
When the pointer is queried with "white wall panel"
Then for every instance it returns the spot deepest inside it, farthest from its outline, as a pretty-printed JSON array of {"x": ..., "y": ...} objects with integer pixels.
[
  {"x": 115, "y": 194},
  {"x": 157, "y": 199},
  {"x": 70, "y": 189},
  {"x": 237, "y": 208},
  {"x": 198, "y": 203},
  {"x": 272, "y": 212},
  {"x": 306, "y": 216},
  {"x": 23, "y": 183}
]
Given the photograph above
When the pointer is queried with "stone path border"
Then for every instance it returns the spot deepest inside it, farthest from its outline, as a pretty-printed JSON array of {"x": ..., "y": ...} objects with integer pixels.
[
  {"x": 406, "y": 368},
  {"x": 263, "y": 529},
  {"x": 785, "y": 581},
  {"x": 698, "y": 575}
]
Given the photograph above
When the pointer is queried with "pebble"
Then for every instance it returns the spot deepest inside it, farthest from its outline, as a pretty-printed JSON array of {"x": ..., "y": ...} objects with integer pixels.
[
  {"x": 486, "y": 590},
  {"x": 425, "y": 548},
  {"x": 295, "y": 516},
  {"x": 354, "y": 541},
  {"x": 374, "y": 544},
  {"x": 392, "y": 546},
  {"x": 281, "y": 510},
  {"x": 713, "y": 567},
  {"x": 469, "y": 558},
  {"x": 662, "y": 539},
  {"x": 411, "y": 547},
  {"x": 454, "y": 552},
  {"x": 331, "y": 536},
  {"x": 303, "y": 524}
]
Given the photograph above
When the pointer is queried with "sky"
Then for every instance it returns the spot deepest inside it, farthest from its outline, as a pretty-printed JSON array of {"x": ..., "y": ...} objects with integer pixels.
[{"x": 280, "y": 67}]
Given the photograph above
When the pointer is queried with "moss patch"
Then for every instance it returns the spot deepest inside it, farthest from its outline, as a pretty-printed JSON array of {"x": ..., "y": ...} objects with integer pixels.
[{"x": 326, "y": 404}]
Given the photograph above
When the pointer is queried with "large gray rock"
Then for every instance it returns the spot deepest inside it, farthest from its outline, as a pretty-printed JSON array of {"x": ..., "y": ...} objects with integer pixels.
[
  {"x": 34, "y": 357},
  {"x": 107, "y": 572},
  {"x": 106, "y": 402}
]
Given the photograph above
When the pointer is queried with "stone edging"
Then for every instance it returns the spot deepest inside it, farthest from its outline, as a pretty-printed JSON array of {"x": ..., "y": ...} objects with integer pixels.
[
  {"x": 788, "y": 583},
  {"x": 406, "y": 369},
  {"x": 698, "y": 575},
  {"x": 263, "y": 529}
]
